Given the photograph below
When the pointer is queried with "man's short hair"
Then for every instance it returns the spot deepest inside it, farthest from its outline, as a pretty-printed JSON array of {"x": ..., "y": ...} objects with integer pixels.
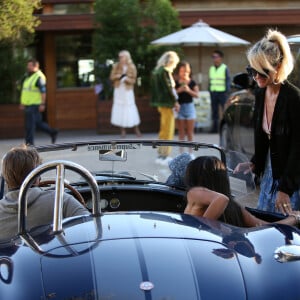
[
  {"x": 219, "y": 52},
  {"x": 18, "y": 163},
  {"x": 34, "y": 61}
]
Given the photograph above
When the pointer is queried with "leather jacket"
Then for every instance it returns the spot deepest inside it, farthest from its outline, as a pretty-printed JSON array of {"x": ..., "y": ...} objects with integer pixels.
[{"x": 284, "y": 143}]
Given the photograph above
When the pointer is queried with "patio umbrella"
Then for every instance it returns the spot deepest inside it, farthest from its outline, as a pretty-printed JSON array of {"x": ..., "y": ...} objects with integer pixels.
[{"x": 200, "y": 33}]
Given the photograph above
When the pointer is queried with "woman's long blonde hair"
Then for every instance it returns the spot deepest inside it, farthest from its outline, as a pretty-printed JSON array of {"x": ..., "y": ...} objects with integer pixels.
[
  {"x": 272, "y": 53},
  {"x": 169, "y": 60},
  {"x": 127, "y": 56}
]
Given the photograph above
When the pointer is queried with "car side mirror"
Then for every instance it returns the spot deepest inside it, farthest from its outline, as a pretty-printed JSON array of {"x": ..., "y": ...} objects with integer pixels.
[{"x": 241, "y": 81}]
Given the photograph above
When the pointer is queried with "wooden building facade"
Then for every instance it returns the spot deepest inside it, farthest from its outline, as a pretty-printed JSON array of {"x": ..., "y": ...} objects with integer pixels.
[{"x": 64, "y": 48}]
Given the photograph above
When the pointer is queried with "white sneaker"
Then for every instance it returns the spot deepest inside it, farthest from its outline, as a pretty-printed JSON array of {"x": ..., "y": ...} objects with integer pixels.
[
  {"x": 166, "y": 160},
  {"x": 158, "y": 160}
]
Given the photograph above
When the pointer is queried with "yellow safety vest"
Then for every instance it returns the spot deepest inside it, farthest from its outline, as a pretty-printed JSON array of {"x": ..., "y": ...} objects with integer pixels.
[
  {"x": 31, "y": 95},
  {"x": 217, "y": 78}
]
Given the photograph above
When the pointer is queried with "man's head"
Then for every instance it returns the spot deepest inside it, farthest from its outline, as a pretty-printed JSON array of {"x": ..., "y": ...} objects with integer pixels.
[
  {"x": 217, "y": 57},
  {"x": 32, "y": 65},
  {"x": 18, "y": 163}
]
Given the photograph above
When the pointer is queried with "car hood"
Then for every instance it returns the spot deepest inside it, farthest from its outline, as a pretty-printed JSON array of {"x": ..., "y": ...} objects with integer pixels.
[
  {"x": 144, "y": 256},
  {"x": 151, "y": 255}
]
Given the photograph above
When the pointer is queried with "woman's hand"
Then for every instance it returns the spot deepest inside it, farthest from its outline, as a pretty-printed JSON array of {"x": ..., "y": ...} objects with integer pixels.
[
  {"x": 294, "y": 218},
  {"x": 283, "y": 203},
  {"x": 176, "y": 106},
  {"x": 182, "y": 88},
  {"x": 245, "y": 167}
]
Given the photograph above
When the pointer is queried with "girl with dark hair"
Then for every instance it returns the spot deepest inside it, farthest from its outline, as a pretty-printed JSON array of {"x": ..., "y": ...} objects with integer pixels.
[
  {"x": 208, "y": 195},
  {"x": 187, "y": 89}
]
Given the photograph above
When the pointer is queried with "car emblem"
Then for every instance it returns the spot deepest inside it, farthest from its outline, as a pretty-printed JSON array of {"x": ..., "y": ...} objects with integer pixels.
[
  {"x": 114, "y": 203},
  {"x": 146, "y": 286}
]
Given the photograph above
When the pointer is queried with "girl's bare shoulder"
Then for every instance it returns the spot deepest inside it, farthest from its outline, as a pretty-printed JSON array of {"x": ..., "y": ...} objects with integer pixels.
[{"x": 199, "y": 189}]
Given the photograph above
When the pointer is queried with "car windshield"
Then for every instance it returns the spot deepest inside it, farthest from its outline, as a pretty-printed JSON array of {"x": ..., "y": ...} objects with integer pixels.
[
  {"x": 122, "y": 159},
  {"x": 129, "y": 161}
]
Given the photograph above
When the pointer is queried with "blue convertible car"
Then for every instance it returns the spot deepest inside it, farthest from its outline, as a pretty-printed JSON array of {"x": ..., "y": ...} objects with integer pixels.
[{"x": 136, "y": 243}]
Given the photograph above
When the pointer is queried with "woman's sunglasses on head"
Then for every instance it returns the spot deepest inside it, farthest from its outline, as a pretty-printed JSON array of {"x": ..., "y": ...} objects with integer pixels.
[{"x": 252, "y": 72}]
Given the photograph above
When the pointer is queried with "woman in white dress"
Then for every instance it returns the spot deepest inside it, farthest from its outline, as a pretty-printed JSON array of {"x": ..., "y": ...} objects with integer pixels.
[{"x": 124, "y": 110}]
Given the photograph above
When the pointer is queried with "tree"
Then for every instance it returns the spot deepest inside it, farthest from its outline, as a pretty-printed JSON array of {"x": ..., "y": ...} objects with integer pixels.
[
  {"x": 118, "y": 24},
  {"x": 160, "y": 19},
  {"x": 16, "y": 18},
  {"x": 17, "y": 24},
  {"x": 131, "y": 25}
]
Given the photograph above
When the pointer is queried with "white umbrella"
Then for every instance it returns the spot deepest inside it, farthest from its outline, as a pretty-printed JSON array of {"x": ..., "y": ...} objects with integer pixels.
[{"x": 200, "y": 33}]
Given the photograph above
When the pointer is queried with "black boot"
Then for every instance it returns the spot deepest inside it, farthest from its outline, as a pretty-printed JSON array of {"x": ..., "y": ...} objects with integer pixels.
[{"x": 53, "y": 135}]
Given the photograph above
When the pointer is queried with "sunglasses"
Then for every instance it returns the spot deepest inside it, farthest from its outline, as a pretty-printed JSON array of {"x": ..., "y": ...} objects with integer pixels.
[{"x": 252, "y": 72}]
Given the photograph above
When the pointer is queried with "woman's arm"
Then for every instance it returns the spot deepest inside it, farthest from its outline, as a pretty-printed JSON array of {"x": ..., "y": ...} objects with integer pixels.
[
  {"x": 252, "y": 221},
  {"x": 193, "y": 92},
  {"x": 289, "y": 180},
  {"x": 206, "y": 203},
  {"x": 168, "y": 84},
  {"x": 115, "y": 73},
  {"x": 131, "y": 74}
]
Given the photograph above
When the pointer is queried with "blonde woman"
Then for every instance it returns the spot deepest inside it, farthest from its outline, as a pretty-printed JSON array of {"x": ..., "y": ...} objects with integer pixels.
[
  {"x": 277, "y": 126},
  {"x": 164, "y": 97},
  {"x": 124, "y": 110}
]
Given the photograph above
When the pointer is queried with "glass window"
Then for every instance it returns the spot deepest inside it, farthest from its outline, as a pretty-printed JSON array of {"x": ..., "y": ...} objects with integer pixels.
[
  {"x": 62, "y": 9},
  {"x": 74, "y": 63}
]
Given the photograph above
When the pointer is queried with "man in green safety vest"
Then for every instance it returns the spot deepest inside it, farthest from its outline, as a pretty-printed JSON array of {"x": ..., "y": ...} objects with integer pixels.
[
  {"x": 219, "y": 86},
  {"x": 33, "y": 102}
]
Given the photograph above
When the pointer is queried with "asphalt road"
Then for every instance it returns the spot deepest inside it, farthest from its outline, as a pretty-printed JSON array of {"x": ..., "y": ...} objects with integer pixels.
[{"x": 85, "y": 135}]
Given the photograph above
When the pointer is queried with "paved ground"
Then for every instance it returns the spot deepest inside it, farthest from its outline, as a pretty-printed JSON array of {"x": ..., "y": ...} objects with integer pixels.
[{"x": 84, "y": 135}]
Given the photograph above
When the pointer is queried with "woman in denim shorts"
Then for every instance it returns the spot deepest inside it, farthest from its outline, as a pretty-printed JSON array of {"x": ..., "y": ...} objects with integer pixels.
[{"x": 186, "y": 89}]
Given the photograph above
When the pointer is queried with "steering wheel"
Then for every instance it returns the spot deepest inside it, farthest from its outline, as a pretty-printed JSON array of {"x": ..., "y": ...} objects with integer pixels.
[
  {"x": 75, "y": 193},
  {"x": 60, "y": 166}
]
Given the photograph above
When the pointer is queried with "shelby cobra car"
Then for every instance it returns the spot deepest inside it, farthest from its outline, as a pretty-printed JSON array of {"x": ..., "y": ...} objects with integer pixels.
[{"x": 136, "y": 242}]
